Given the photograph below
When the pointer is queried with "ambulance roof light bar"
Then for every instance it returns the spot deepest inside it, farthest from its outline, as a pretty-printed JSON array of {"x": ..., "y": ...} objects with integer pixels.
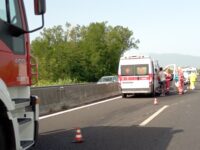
[{"x": 135, "y": 57}]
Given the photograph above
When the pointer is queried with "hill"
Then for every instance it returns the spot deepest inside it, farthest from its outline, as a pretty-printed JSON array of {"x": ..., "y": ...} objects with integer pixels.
[{"x": 179, "y": 59}]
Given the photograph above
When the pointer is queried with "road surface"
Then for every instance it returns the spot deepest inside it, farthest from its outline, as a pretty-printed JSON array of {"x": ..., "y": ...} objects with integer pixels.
[{"x": 132, "y": 123}]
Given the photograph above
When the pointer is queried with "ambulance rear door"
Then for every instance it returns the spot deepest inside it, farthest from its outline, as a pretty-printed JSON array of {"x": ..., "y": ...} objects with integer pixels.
[{"x": 134, "y": 76}]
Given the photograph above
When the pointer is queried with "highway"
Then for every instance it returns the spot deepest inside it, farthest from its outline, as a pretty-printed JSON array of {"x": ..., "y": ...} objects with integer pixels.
[{"x": 132, "y": 123}]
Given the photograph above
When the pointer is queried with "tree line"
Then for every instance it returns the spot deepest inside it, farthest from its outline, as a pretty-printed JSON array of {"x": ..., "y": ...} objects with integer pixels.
[{"x": 81, "y": 53}]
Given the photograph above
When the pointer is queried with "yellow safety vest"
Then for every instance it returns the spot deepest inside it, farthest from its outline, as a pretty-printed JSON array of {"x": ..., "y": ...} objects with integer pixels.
[{"x": 192, "y": 77}]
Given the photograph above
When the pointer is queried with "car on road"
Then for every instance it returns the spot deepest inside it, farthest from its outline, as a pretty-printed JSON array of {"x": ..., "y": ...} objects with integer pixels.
[{"x": 108, "y": 79}]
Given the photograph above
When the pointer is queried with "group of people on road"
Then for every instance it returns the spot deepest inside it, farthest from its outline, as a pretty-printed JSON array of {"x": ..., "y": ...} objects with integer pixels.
[{"x": 164, "y": 78}]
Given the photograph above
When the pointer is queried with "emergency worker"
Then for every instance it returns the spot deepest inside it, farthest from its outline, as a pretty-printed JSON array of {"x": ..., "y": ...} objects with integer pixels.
[
  {"x": 176, "y": 79},
  {"x": 168, "y": 78},
  {"x": 162, "y": 81},
  {"x": 180, "y": 81},
  {"x": 192, "y": 78}
]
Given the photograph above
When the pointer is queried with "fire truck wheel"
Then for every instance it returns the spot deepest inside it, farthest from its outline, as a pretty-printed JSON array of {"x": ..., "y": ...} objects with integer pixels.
[{"x": 2, "y": 138}]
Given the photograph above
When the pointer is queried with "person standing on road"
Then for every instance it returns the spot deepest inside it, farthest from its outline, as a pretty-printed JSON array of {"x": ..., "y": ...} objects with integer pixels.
[
  {"x": 180, "y": 81},
  {"x": 162, "y": 79},
  {"x": 168, "y": 78},
  {"x": 192, "y": 78},
  {"x": 176, "y": 79}
]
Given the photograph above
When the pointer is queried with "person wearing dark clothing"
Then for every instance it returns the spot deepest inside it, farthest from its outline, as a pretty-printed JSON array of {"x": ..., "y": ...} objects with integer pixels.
[{"x": 162, "y": 78}]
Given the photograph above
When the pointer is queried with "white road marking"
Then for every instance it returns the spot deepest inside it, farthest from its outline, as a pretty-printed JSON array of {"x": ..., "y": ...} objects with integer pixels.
[
  {"x": 145, "y": 122},
  {"x": 77, "y": 108}
]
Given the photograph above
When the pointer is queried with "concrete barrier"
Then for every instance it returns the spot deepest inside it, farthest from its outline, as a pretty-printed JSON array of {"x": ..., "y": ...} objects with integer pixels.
[{"x": 56, "y": 98}]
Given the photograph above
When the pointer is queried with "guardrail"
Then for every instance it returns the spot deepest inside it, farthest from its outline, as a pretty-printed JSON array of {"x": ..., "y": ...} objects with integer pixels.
[{"x": 57, "y": 98}]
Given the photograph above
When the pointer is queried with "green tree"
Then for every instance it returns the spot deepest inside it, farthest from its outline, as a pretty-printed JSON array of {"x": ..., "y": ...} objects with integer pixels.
[{"x": 81, "y": 53}]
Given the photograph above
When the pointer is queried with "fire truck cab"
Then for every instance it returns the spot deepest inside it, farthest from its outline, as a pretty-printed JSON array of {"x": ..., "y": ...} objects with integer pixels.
[{"x": 18, "y": 109}]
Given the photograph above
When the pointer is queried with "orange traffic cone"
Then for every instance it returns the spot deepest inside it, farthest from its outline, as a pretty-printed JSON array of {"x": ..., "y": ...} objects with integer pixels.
[
  {"x": 78, "y": 137},
  {"x": 155, "y": 102}
]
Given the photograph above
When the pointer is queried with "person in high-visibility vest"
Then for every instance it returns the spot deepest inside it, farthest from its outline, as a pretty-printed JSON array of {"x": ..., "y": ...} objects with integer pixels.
[{"x": 192, "y": 78}]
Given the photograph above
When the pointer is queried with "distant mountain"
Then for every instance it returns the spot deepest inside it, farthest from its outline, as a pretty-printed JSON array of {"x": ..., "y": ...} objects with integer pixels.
[{"x": 179, "y": 59}]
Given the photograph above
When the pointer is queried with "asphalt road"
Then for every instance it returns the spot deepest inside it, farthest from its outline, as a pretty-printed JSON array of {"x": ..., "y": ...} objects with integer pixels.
[{"x": 115, "y": 125}]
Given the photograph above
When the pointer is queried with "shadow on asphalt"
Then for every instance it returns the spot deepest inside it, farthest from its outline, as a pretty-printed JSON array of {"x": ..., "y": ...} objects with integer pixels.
[
  {"x": 108, "y": 138},
  {"x": 148, "y": 96},
  {"x": 197, "y": 88}
]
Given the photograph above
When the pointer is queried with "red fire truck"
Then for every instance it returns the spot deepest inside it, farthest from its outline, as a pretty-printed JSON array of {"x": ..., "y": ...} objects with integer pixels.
[{"x": 18, "y": 109}]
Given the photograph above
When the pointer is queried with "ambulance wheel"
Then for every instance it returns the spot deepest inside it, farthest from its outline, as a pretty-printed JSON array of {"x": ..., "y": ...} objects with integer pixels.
[
  {"x": 2, "y": 138},
  {"x": 153, "y": 94},
  {"x": 124, "y": 95}
]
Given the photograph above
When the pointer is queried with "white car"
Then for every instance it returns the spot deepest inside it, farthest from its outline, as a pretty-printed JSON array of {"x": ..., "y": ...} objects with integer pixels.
[{"x": 108, "y": 79}]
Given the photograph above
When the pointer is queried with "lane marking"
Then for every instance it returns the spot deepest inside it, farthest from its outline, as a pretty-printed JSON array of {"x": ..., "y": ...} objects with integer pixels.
[
  {"x": 145, "y": 122},
  {"x": 77, "y": 108}
]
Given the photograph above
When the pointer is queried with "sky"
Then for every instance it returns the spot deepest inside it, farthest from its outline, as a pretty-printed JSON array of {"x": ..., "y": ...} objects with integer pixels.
[{"x": 162, "y": 26}]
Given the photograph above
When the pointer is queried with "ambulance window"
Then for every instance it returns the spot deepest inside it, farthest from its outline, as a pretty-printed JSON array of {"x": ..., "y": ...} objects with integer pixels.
[
  {"x": 142, "y": 70},
  {"x": 127, "y": 70}
]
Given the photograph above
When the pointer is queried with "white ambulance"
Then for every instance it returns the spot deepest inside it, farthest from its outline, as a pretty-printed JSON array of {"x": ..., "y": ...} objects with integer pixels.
[{"x": 138, "y": 74}]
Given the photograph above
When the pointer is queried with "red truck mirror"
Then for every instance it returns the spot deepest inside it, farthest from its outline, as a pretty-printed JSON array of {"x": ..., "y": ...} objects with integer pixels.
[{"x": 40, "y": 7}]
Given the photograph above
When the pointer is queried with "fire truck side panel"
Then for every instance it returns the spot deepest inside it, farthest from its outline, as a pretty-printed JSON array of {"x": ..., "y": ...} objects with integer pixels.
[
  {"x": 5, "y": 96},
  {"x": 14, "y": 57}
]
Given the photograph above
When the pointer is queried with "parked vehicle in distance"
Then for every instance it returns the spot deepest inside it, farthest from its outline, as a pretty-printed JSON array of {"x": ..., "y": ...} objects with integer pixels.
[
  {"x": 187, "y": 71},
  {"x": 108, "y": 79}
]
